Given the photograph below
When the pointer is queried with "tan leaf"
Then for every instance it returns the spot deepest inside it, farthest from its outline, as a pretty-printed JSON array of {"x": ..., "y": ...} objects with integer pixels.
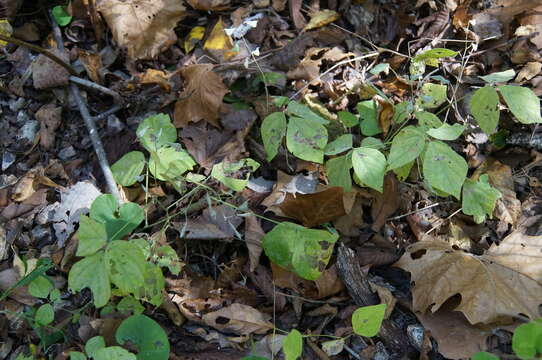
[
  {"x": 321, "y": 18},
  {"x": 489, "y": 290},
  {"x": 529, "y": 71},
  {"x": 92, "y": 62},
  {"x": 238, "y": 319},
  {"x": 158, "y": 77},
  {"x": 209, "y": 5},
  {"x": 202, "y": 96},
  {"x": 50, "y": 117},
  {"x": 253, "y": 239},
  {"x": 386, "y": 202},
  {"x": 144, "y": 27}
]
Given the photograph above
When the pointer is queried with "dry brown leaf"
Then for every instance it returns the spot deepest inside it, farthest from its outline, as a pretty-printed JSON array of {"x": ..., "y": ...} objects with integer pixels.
[
  {"x": 529, "y": 71},
  {"x": 489, "y": 290},
  {"x": 386, "y": 297},
  {"x": 50, "y": 117},
  {"x": 309, "y": 68},
  {"x": 47, "y": 74},
  {"x": 386, "y": 202},
  {"x": 351, "y": 223},
  {"x": 534, "y": 19},
  {"x": 202, "y": 96},
  {"x": 385, "y": 114},
  {"x": 295, "y": 13},
  {"x": 209, "y": 5},
  {"x": 144, "y": 27},
  {"x": 329, "y": 283},
  {"x": 92, "y": 62},
  {"x": 253, "y": 239},
  {"x": 158, "y": 77},
  {"x": 238, "y": 319},
  {"x": 314, "y": 209},
  {"x": 321, "y": 18}
]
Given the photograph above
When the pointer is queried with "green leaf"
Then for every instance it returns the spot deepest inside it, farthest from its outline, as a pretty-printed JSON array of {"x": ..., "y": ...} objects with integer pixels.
[
  {"x": 166, "y": 256},
  {"x": 527, "y": 340},
  {"x": 292, "y": 347},
  {"x": 156, "y": 131},
  {"x": 280, "y": 101},
  {"x": 151, "y": 344},
  {"x": 371, "y": 142},
  {"x": 77, "y": 355},
  {"x": 40, "y": 287},
  {"x": 231, "y": 174},
  {"x": 170, "y": 162},
  {"x": 416, "y": 69},
  {"x": 91, "y": 272},
  {"x": 432, "y": 96},
  {"x": 447, "y": 132},
  {"x": 406, "y": 146},
  {"x": 444, "y": 169},
  {"x": 522, "y": 102},
  {"x": 303, "y": 111},
  {"x": 339, "y": 145},
  {"x": 484, "y": 107},
  {"x": 479, "y": 198},
  {"x": 382, "y": 67},
  {"x": 128, "y": 168},
  {"x": 369, "y": 165},
  {"x": 306, "y": 139},
  {"x": 482, "y": 355},
  {"x": 428, "y": 120},
  {"x": 367, "y": 320},
  {"x": 118, "y": 221},
  {"x": 402, "y": 111},
  {"x": 94, "y": 344},
  {"x": 303, "y": 251},
  {"x": 126, "y": 265},
  {"x": 368, "y": 118},
  {"x": 129, "y": 305},
  {"x": 273, "y": 130},
  {"x": 338, "y": 171},
  {"x": 436, "y": 53},
  {"x": 499, "y": 77},
  {"x": 403, "y": 171},
  {"x": 91, "y": 235},
  {"x": 45, "y": 314},
  {"x": 61, "y": 15},
  {"x": 151, "y": 289},
  {"x": 270, "y": 79},
  {"x": 54, "y": 296},
  {"x": 347, "y": 118},
  {"x": 114, "y": 353}
]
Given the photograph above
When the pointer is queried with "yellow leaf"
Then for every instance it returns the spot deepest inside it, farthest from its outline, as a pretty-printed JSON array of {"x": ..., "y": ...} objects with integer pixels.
[
  {"x": 219, "y": 44},
  {"x": 6, "y": 30},
  {"x": 195, "y": 35},
  {"x": 321, "y": 18}
]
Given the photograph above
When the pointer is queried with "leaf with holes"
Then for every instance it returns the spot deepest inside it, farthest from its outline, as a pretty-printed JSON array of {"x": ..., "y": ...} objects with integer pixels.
[
  {"x": 444, "y": 169},
  {"x": 170, "y": 162},
  {"x": 432, "y": 96}
]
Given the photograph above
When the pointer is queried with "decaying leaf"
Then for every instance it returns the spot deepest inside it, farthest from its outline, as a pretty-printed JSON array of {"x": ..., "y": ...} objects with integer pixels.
[
  {"x": 321, "y": 18},
  {"x": 144, "y": 27},
  {"x": 202, "y": 96},
  {"x": 158, "y": 77},
  {"x": 238, "y": 319},
  {"x": 219, "y": 44},
  {"x": 50, "y": 117},
  {"x": 490, "y": 291},
  {"x": 209, "y": 5}
]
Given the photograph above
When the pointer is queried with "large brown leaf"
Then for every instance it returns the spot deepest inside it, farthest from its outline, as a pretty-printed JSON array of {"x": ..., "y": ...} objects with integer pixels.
[
  {"x": 489, "y": 290},
  {"x": 144, "y": 27},
  {"x": 314, "y": 209},
  {"x": 238, "y": 319},
  {"x": 202, "y": 96}
]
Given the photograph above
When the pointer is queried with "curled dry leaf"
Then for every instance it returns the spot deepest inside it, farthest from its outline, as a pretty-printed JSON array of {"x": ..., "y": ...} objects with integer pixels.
[
  {"x": 238, "y": 319},
  {"x": 158, "y": 77},
  {"x": 202, "y": 96},
  {"x": 490, "y": 290},
  {"x": 144, "y": 27},
  {"x": 321, "y": 18}
]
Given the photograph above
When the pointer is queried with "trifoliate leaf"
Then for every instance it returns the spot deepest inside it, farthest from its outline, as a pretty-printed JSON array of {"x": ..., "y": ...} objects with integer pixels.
[
  {"x": 484, "y": 107},
  {"x": 156, "y": 131},
  {"x": 368, "y": 116},
  {"x": 479, "y": 198},
  {"x": 273, "y": 130},
  {"x": 444, "y": 169},
  {"x": 118, "y": 221},
  {"x": 369, "y": 165}
]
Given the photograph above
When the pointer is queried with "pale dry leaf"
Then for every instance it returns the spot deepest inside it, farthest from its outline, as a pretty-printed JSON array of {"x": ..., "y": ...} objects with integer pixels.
[
  {"x": 209, "y": 5},
  {"x": 321, "y": 18},
  {"x": 202, "y": 96},
  {"x": 529, "y": 71},
  {"x": 144, "y": 27},
  {"x": 253, "y": 239},
  {"x": 238, "y": 319},
  {"x": 158, "y": 77},
  {"x": 50, "y": 117},
  {"x": 489, "y": 290}
]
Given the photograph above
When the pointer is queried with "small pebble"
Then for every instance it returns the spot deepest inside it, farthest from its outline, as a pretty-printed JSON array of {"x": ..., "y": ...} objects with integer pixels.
[
  {"x": 66, "y": 153},
  {"x": 22, "y": 118},
  {"x": 16, "y": 105},
  {"x": 114, "y": 125},
  {"x": 415, "y": 335},
  {"x": 28, "y": 131}
]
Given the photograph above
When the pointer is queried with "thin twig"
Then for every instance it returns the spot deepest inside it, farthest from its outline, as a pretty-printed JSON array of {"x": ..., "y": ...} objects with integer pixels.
[
  {"x": 105, "y": 114},
  {"x": 94, "y": 86},
  {"x": 413, "y": 212}
]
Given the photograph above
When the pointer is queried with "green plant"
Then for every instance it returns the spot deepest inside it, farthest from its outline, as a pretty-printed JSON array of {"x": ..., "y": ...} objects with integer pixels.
[{"x": 61, "y": 15}]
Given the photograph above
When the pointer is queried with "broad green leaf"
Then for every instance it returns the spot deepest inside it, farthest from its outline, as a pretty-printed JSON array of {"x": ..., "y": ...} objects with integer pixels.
[
  {"x": 436, "y": 53},
  {"x": 484, "y": 107},
  {"x": 428, "y": 120},
  {"x": 303, "y": 251},
  {"x": 234, "y": 175},
  {"x": 170, "y": 162},
  {"x": 347, "y": 118},
  {"x": 128, "y": 168},
  {"x": 152, "y": 344},
  {"x": 447, "y": 132},
  {"x": 254, "y": 357},
  {"x": 54, "y": 296},
  {"x": 91, "y": 236},
  {"x": 444, "y": 169},
  {"x": 280, "y": 101},
  {"x": 522, "y": 102},
  {"x": 156, "y": 131},
  {"x": 306, "y": 139},
  {"x": 527, "y": 340},
  {"x": 40, "y": 287},
  {"x": 118, "y": 221},
  {"x": 166, "y": 256},
  {"x": 402, "y": 111},
  {"x": 270, "y": 79},
  {"x": 77, "y": 355},
  {"x": 367, "y": 320},
  {"x": 130, "y": 306},
  {"x": 479, "y": 198},
  {"x": 371, "y": 142},
  {"x": 339, "y": 145},
  {"x": 126, "y": 265},
  {"x": 45, "y": 315},
  {"x": 403, "y": 171},
  {"x": 416, "y": 69},
  {"x": 369, "y": 165},
  {"x": 303, "y": 111},
  {"x": 273, "y": 130},
  {"x": 482, "y": 355},
  {"x": 114, "y": 353},
  {"x": 91, "y": 272},
  {"x": 292, "y": 347},
  {"x": 406, "y": 146},
  {"x": 432, "y": 96},
  {"x": 338, "y": 171},
  {"x": 499, "y": 77},
  {"x": 94, "y": 344},
  {"x": 368, "y": 118},
  {"x": 61, "y": 15},
  {"x": 151, "y": 289}
]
